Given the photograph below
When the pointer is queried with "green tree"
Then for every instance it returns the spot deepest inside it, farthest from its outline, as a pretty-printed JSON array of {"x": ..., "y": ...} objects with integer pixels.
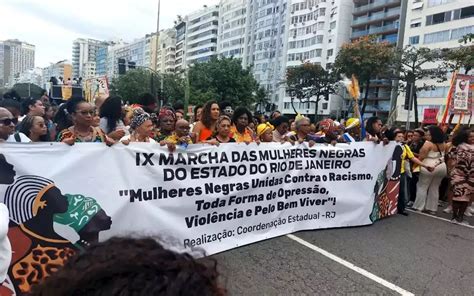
[
  {"x": 173, "y": 88},
  {"x": 367, "y": 59},
  {"x": 309, "y": 83},
  {"x": 460, "y": 57},
  {"x": 262, "y": 101},
  {"x": 411, "y": 66},
  {"x": 134, "y": 83},
  {"x": 222, "y": 79}
]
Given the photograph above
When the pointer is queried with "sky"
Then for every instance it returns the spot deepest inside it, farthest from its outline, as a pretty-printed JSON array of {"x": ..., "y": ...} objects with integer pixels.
[{"x": 52, "y": 25}]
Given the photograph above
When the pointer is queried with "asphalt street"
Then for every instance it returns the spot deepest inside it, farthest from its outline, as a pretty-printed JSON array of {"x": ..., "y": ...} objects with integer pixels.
[{"x": 418, "y": 254}]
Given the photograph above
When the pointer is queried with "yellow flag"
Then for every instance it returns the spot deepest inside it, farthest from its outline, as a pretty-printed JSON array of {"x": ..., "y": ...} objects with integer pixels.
[{"x": 66, "y": 92}]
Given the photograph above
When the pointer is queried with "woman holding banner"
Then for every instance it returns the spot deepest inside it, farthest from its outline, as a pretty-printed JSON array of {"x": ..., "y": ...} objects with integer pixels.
[
  {"x": 431, "y": 154},
  {"x": 82, "y": 131},
  {"x": 207, "y": 125},
  {"x": 141, "y": 128}
]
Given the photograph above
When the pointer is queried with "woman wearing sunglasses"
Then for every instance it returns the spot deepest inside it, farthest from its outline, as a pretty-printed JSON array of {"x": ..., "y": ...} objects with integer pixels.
[{"x": 82, "y": 131}]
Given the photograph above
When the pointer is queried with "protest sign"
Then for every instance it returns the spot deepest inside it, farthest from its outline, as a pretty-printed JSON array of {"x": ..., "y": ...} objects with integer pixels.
[{"x": 62, "y": 198}]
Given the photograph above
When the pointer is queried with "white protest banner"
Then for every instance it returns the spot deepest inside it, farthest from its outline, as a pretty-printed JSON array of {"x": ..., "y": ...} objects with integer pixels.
[{"x": 208, "y": 197}]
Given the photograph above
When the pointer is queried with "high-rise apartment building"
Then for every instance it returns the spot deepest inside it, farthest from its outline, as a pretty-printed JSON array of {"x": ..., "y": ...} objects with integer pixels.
[
  {"x": 16, "y": 58},
  {"x": 140, "y": 52},
  {"x": 267, "y": 26},
  {"x": 180, "y": 51},
  {"x": 166, "y": 55},
  {"x": 384, "y": 19},
  {"x": 232, "y": 34},
  {"x": 435, "y": 24},
  {"x": 317, "y": 30},
  {"x": 201, "y": 35},
  {"x": 85, "y": 51}
]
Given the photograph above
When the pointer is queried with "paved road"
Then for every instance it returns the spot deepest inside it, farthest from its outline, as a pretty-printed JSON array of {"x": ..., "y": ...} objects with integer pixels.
[{"x": 419, "y": 254}]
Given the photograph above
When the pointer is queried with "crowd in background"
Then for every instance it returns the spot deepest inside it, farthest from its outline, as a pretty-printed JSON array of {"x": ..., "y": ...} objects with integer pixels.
[{"x": 435, "y": 162}]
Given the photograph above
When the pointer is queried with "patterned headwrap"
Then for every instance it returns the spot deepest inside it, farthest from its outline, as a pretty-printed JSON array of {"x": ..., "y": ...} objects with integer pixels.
[
  {"x": 327, "y": 125},
  {"x": 139, "y": 117},
  {"x": 221, "y": 118},
  {"x": 23, "y": 197},
  {"x": 263, "y": 127},
  {"x": 80, "y": 211},
  {"x": 164, "y": 112}
]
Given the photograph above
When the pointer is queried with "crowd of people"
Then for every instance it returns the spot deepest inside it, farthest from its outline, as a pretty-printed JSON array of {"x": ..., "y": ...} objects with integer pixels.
[{"x": 436, "y": 163}]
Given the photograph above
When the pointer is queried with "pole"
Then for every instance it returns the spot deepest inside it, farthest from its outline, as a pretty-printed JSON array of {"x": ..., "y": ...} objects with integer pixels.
[
  {"x": 29, "y": 89},
  {"x": 410, "y": 104},
  {"x": 155, "y": 66},
  {"x": 186, "y": 93}
]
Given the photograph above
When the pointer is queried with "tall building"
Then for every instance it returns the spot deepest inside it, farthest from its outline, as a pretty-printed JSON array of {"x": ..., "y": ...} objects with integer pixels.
[
  {"x": 317, "y": 31},
  {"x": 201, "y": 35},
  {"x": 18, "y": 57},
  {"x": 84, "y": 51},
  {"x": 384, "y": 19},
  {"x": 60, "y": 69},
  {"x": 435, "y": 24},
  {"x": 101, "y": 61},
  {"x": 140, "y": 52},
  {"x": 232, "y": 33},
  {"x": 180, "y": 51},
  {"x": 267, "y": 26},
  {"x": 166, "y": 55}
]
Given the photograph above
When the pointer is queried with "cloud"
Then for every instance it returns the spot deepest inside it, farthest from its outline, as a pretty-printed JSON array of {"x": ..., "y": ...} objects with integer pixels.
[{"x": 52, "y": 25}]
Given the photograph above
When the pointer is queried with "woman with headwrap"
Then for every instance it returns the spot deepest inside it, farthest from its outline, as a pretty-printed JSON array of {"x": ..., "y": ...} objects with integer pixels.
[
  {"x": 86, "y": 217},
  {"x": 37, "y": 249},
  {"x": 141, "y": 128},
  {"x": 166, "y": 121},
  {"x": 222, "y": 134}
]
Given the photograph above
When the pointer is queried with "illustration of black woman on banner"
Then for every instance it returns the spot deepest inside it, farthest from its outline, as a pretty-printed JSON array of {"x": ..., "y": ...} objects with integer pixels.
[
  {"x": 86, "y": 217},
  {"x": 387, "y": 187},
  {"x": 34, "y": 203}
]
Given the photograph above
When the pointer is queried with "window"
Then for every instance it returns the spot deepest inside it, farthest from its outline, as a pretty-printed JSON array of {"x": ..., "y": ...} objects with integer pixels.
[
  {"x": 438, "y": 18},
  {"x": 330, "y": 52},
  {"x": 322, "y": 11},
  {"x": 432, "y": 3},
  {"x": 467, "y": 12},
  {"x": 325, "y": 106},
  {"x": 459, "y": 33},
  {"x": 415, "y": 24},
  {"x": 332, "y": 25},
  {"x": 414, "y": 40},
  {"x": 435, "y": 37}
]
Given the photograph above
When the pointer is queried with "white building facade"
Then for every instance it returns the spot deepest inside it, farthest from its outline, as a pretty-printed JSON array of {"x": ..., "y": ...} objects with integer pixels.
[
  {"x": 232, "y": 34},
  {"x": 317, "y": 30},
  {"x": 435, "y": 24},
  {"x": 166, "y": 54},
  {"x": 16, "y": 58},
  {"x": 201, "y": 35},
  {"x": 85, "y": 51}
]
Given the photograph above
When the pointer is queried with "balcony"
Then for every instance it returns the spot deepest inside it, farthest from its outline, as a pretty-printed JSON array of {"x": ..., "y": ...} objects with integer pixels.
[
  {"x": 376, "y": 30},
  {"x": 376, "y": 4},
  {"x": 380, "y": 16}
]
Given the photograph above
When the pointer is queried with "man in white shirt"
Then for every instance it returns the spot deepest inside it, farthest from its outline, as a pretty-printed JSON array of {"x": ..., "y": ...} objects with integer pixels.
[{"x": 7, "y": 128}]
